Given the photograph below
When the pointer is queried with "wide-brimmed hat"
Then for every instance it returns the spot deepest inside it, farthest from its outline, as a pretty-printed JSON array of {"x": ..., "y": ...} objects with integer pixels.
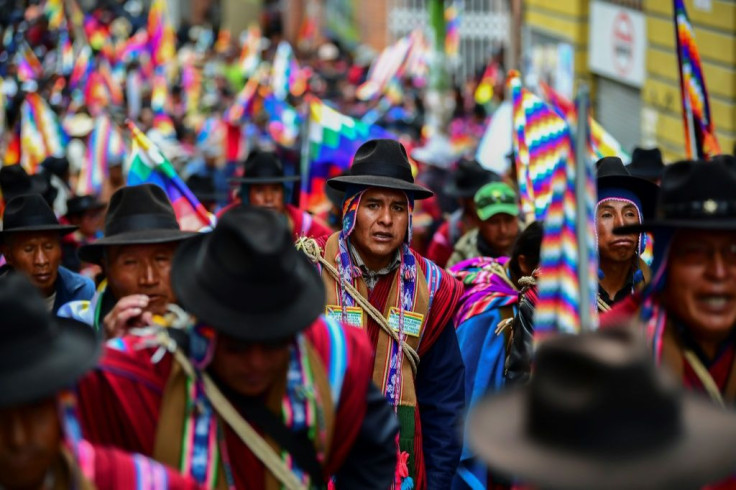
[
  {"x": 14, "y": 181},
  {"x": 611, "y": 173},
  {"x": 264, "y": 167},
  {"x": 381, "y": 163},
  {"x": 137, "y": 214},
  {"x": 31, "y": 212},
  {"x": 695, "y": 195},
  {"x": 40, "y": 354},
  {"x": 80, "y": 204},
  {"x": 598, "y": 414},
  {"x": 468, "y": 177},
  {"x": 646, "y": 163},
  {"x": 246, "y": 279},
  {"x": 495, "y": 198}
]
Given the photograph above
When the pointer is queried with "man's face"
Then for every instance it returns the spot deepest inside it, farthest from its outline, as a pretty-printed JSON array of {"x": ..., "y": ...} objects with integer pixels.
[
  {"x": 500, "y": 232},
  {"x": 37, "y": 255},
  {"x": 249, "y": 368},
  {"x": 270, "y": 196},
  {"x": 613, "y": 214},
  {"x": 142, "y": 269},
  {"x": 380, "y": 227},
  {"x": 701, "y": 282},
  {"x": 88, "y": 222},
  {"x": 30, "y": 436}
]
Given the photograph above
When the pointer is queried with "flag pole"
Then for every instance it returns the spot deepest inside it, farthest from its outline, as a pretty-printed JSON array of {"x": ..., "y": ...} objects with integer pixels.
[
  {"x": 304, "y": 160},
  {"x": 581, "y": 166}
]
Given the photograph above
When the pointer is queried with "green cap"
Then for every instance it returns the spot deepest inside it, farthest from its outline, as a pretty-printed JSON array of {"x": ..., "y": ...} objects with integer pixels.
[{"x": 495, "y": 198}]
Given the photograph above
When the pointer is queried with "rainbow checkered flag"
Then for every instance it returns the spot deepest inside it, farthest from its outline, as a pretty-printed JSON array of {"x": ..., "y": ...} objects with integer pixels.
[
  {"x": 333, "y": 140},
  {"x": 547, "y": 169},
  {"x": 149, "y": 166},
  {"x": 700, "y": 133}
]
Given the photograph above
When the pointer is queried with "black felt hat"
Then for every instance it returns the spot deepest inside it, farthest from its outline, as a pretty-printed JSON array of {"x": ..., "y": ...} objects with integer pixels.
[
  {"x": 14, "y": 181},
  {"x": 80, "y": 204},
  {"x": 31, "y": 212},
  {"x": 381, "y": 163},
  {"x": 468, "y": 177},
  {"x": 597, "y": 414},
  {"x": 40, "y": 354},
  {"x": 611, "y": 173},
  {"x": 695, "y": 195},
  {"x": 646, "y": 163},
  {"x": 137, "y": 214},
  {"x": 263, "y": 167},
  {"x": 246, "y": 279}
]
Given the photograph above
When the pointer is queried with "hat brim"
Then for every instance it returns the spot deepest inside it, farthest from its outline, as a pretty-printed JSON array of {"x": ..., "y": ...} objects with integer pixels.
[
  {"x": 294, "y": 316},
  {"x": 511, "y": 209},
  {"x": 61, "y": 229},
  {"x": 55, "y": 365},
  {"x": 265, "y": 180},
  {"x": 702, "y": 224},
  {"x": 702, "y": 454},
  {"x": 341, "y": 184},
  {"x": 645, "y": 172},
  {"x": 92, "y": 252},
  {"x": 646, "y": 191}
]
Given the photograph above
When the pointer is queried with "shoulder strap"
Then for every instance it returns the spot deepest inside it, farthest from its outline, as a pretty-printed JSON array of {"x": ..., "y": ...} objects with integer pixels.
[{"x": 243, "y": 429}]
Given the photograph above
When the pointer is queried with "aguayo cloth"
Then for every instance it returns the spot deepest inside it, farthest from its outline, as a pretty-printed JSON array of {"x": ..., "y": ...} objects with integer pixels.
[
  {"x": 489, "y": 299},
  {"x": 418, "y": 300},
  {"x": 144, "y": 406}
]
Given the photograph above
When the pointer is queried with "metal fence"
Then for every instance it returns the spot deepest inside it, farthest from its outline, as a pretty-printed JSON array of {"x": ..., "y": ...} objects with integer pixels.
[{"x": 484, "y": 27}]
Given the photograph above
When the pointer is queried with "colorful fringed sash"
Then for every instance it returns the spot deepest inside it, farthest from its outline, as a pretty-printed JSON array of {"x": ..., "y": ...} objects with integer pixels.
[
  {"x": 304, "y": 398},
  {"x": 487, "y": 286}
]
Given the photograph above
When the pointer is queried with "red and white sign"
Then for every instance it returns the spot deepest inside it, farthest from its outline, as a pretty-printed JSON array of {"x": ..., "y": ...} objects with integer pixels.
[{"x": 617, "y": 43}]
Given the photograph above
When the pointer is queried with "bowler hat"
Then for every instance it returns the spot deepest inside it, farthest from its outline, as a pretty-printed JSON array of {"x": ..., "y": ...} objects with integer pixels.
[
  {"x": 262, "y": 167},
  {"x": 697, "y": 195},
  {"x": 381, "y": 163},
  {"x": 468, "y": 177},
  {"x": 137, "y": 214},
  {"x": 31, "y": 212},
  {"x": 611, "y": 173},
  {"x": 598, "y": 414},
  {"x": 646, "y": 163},
  {"x": 80, "y": 204},
  {"x": 40, "y": 354},
  {"x": 246, "y": 279}
]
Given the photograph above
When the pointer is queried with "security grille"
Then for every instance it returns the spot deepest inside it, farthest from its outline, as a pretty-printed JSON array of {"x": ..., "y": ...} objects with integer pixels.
[{"x": 484, "y": 27}]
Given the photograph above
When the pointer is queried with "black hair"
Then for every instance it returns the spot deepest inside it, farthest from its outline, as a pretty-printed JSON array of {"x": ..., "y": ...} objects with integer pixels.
[{"x": 527, "y": 244}]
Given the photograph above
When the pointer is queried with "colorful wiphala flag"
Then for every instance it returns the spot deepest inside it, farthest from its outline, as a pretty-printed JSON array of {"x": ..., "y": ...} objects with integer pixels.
[
  {"x": 452, "y": 30},
  {"x": 29, "y": 68},
  {"x": 149, "y": 165},
  {"x": 95, "y": 171},
  {"x": 283, "y": 121},
  {"x": 41, "y": 133},
  {"x": 83, "y": 66},
  {"x": 239, "y": 112},
  {"x": 700, "y": 133},
  {"x": 161, "y": 37},
  {"x": 65, "y": 53},
  {"x": 250, "y": 55},
  {"x": 54, "y": 11},
  {"x": 388, "y": 65},
  {"x": 160, "y": 103},
  {"x": 540, "y": 142},
  {"x": 333, "y": 140},
  {"x": 600, "y": 142},
  {"x": 484, "y": 91}
]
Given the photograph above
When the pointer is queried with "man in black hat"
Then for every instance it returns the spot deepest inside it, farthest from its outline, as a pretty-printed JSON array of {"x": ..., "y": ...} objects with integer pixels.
[
  {"x": 31, "y": 243},
  {"x": 647, "y": 163},
  {"x": 40, "y": 443},
  {"x": 141, "y": 236},
  {"x": 264, "y": 185},
  {"x": 86, "y": 213},
  {"x": 283, "y": 393},
  {"x": 405, "y": 302},
  {"x": 622, "y": 200},
  {"x": 597, "y": 414},
  {"x": 467, "y": 178},
  {"x": 689, "y": 309}
]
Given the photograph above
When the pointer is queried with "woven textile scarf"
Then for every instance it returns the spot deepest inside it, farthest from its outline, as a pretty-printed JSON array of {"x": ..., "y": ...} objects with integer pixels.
[{"x": 484, "y": 288}]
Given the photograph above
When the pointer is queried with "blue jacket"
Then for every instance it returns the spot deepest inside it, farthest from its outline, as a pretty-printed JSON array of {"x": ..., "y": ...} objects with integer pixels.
[{"x": 71, "y": 286}]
